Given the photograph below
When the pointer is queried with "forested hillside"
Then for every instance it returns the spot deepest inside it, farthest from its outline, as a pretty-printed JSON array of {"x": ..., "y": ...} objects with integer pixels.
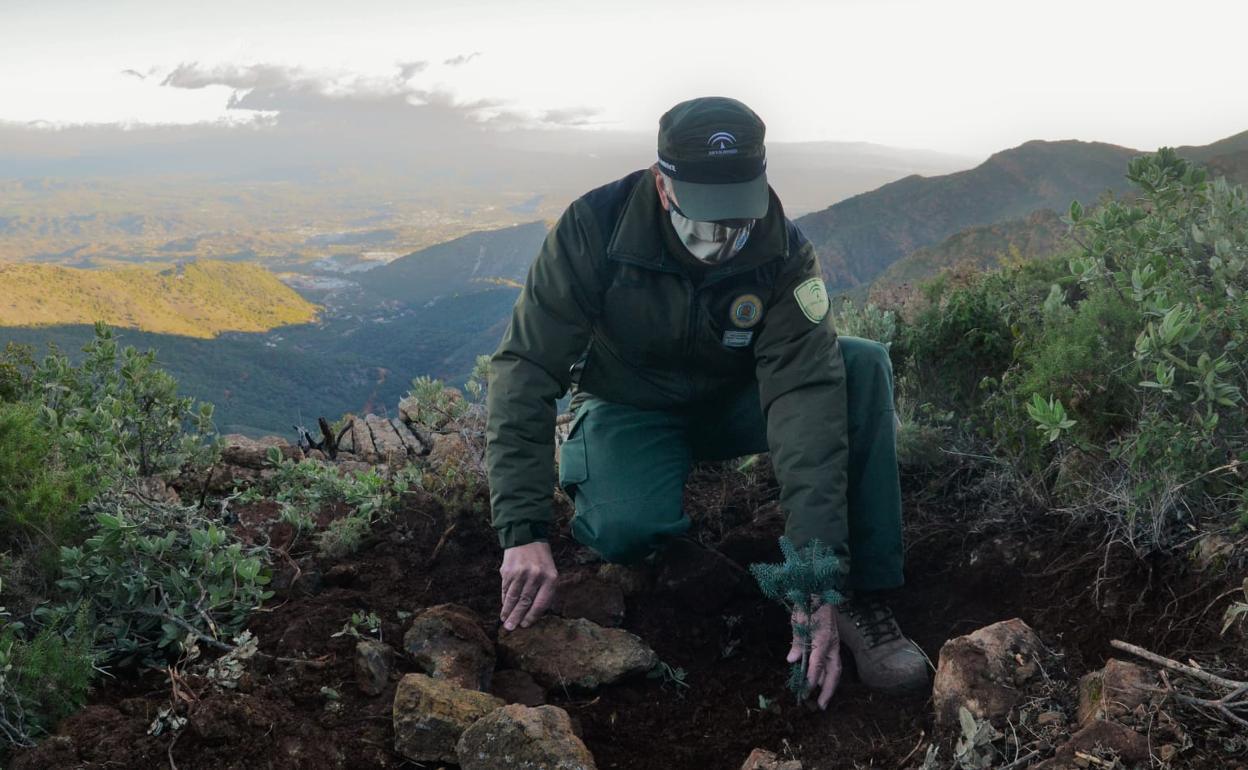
[{"x": 198, "y": 299}]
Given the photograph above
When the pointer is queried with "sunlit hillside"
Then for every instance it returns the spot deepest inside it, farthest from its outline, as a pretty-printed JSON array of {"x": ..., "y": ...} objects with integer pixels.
[{"x": 199, "y": 299}]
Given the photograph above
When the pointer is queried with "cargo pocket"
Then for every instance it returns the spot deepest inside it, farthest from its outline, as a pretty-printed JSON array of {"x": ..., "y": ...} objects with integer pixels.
[{"x": 573, "y": 469}]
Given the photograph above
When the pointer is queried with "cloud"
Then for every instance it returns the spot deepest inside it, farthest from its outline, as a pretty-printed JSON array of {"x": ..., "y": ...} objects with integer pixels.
[
  {"x": 462, "y": 59},
  {"x": 409, "y": 68},
  {"x": 571, "y": 116},
  {"x": 134, "y": 74}
]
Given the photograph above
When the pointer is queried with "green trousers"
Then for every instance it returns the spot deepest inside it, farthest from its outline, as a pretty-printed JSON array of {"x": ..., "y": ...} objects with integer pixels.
[{"x": 626, "y": 467}]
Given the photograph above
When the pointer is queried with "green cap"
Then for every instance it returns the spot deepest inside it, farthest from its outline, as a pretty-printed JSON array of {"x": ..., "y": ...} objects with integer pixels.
[{"x": 712, "y": 148}]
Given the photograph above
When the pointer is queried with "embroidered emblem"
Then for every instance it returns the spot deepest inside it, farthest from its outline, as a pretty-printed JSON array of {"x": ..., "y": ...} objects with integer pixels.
[
  {"x": 737, "y": 339},
  {"x": 812, "y": 298},
  {"x": 747, "y": 311}
]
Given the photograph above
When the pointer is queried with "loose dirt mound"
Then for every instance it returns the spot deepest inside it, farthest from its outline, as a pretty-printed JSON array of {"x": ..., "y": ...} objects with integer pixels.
[{"x": 731, "y": 699}]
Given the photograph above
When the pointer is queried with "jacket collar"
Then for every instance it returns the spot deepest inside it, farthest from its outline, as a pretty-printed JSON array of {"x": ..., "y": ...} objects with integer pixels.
[{"x": 638, "y": 239}]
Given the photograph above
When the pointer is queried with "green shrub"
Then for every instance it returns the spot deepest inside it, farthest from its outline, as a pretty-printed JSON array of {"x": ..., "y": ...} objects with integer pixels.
[
  {"x": 120, "y": 414},
  {"x": 40, "y": 497},
  {"x": 17, "y": 362},
  {"x": 308, "y": 488},
  {"x": 154, "y": 572},
  {"x": 1112, "y": 378},
  {"x": 42, "y": 679}
]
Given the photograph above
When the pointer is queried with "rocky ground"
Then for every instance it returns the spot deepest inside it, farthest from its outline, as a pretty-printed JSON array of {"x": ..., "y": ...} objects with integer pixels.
[{"x": 676, "y": 665}]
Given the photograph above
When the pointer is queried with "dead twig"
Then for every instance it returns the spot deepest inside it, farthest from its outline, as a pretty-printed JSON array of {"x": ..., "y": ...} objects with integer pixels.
[
  {"x": 446, "y": 534},
  {"x": 1234, "y": 699},
  {"x": 1177, "y": 667}
]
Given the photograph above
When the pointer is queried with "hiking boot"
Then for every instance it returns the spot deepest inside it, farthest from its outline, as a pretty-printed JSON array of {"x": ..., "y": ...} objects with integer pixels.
[{"x": 886, "y": 659}]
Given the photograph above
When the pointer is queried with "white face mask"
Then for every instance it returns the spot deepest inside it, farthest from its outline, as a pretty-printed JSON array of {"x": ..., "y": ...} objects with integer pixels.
[{"x": 707, "y": 241}]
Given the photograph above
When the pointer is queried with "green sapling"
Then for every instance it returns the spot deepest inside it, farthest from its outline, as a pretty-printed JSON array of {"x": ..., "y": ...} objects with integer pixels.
[{"x": 802, "y": 583}]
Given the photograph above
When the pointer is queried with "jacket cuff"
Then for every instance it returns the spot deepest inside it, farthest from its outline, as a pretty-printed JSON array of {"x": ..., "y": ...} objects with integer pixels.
[{"x": 521, "y": 533}]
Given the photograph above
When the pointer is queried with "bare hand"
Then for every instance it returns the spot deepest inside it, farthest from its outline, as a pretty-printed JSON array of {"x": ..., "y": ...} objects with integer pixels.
[
  {"x": 529, "y": 577},
  {"x": 823, "y": 669}
]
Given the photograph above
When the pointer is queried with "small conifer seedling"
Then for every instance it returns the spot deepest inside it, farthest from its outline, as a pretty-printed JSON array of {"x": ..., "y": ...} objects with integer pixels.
[{"x": 802, "y": 583}]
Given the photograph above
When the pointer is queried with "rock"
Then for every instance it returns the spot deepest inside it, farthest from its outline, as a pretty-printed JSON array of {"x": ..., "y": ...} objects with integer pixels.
[
  {"x": 253, "y": 453},
  {"x": 761, "y": 759},
  {"x": 448, "y": 449},
  {"x": 1103, "y": 740},
  {"x": 1048, "y": 718},
  {"x": 155, "y": 489},
  {"x": 1211, "y": 552},
  {"x": 358, "y": 440},
  {"x": 447, "y": 642},
  {"x": 374, "y": 661},
  {"x": 1114, "y": 691},
  {"x": 431, "y": 714},
  {"x": 575, "y": 653},
  {"x": 579, "y": 595},
  {"x": 631, "y": 580},
  {"x": 392, "y": 441},
  {"x": 984, "y": 670},
  {"x": 518, "y": 687},
  {"x": 517, "y": 737}
]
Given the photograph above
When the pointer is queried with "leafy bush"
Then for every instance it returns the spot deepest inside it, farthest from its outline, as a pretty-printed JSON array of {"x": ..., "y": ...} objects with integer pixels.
[
  {"x": 120, "y": 414},
  {"x": 16, "y": 365},
  {"x": 1111, "y": 379},
  {"x": 39, "y": 495},
  {"x": 43, "y": 679},
  {"x": 155, "y": 572}
]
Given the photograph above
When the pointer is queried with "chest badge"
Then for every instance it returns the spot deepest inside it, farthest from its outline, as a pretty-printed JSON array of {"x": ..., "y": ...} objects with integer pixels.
[{"x": 747, "y": 311}]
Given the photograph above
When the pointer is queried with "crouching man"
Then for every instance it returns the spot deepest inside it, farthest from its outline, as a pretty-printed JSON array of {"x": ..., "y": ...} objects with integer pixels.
[{"x": 691, "y": 318}]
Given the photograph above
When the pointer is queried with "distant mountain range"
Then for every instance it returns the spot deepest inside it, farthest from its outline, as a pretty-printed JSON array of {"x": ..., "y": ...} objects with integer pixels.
[
  {"x": 435, "y": 309},
  {"x": 200, "y": 299}
]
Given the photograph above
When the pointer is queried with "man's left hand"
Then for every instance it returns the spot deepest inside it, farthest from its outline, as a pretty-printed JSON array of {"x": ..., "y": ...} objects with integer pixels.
[{"x": 823, "y": 669}]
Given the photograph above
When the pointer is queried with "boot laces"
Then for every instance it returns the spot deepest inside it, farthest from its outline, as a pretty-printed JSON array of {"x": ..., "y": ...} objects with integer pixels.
[{"x": 875, "y": 619}]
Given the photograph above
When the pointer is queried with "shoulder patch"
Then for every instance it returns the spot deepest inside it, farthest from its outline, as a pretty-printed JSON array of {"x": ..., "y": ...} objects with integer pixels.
[{"x": 812, "y": 298}]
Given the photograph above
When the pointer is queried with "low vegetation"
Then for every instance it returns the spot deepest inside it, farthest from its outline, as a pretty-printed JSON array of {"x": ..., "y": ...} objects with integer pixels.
[{"x": 1107, "y": 382}]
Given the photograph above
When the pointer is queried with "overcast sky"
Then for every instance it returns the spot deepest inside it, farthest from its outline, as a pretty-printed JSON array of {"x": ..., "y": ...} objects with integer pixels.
[{"x": 965, "y": 76}]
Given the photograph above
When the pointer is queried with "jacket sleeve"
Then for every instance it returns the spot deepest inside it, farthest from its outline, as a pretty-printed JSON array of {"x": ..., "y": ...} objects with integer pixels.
[
  {"x": 549, "y": 330},
  {"x": 801, "y": 380}
]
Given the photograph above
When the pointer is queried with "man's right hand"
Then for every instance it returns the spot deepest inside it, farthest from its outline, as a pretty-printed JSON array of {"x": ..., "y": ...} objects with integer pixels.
[{"x": 529, "y": 577}]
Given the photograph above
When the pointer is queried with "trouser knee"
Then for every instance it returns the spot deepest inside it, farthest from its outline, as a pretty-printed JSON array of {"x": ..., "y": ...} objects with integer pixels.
[{"x": 620, "y": 534}]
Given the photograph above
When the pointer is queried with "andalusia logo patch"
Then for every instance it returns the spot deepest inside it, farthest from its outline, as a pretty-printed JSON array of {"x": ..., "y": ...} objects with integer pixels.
[
  {"x": 747, "y": 311},
  {"x": 812, "y": 298}
]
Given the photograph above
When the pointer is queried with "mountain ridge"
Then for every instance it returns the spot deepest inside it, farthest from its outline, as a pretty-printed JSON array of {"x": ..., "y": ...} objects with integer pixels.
[{"x": 196, "y": 299}]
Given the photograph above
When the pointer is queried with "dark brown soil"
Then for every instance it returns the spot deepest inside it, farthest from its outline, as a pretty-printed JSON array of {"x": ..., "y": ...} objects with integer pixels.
[{"x": 962, "y": 574}]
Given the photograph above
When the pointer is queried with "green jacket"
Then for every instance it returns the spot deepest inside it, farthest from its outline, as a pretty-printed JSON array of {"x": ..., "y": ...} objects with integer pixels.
[{"x": 608, "y": 300}]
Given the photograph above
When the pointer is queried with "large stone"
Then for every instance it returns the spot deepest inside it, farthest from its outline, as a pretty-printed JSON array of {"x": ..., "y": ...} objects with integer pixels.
[
  {"x": 575, "y": 653},
  {"x": 431, "y": 714},
  {"x": 449, "y": 449},
  {"x": 761, "y": 759},
  {"x": 517, "y": 737},
  {"x": 374, "y": 661},
  {"x": 1114, "y": 691},
  {"x": 579, "y": 595},
  {"x": 392, "y": 441},
  {"x": 358, "y": 440},
  {"x": 447, "y": 642},
  {"x": 984, "y": 671},
  {"x": 251, "y": 453}
]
